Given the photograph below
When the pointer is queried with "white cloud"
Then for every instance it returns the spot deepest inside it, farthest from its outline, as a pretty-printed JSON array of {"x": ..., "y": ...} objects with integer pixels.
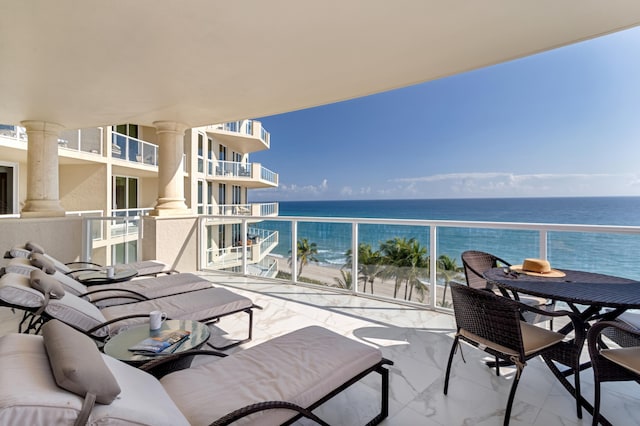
[{"x": 501, "y": 184}]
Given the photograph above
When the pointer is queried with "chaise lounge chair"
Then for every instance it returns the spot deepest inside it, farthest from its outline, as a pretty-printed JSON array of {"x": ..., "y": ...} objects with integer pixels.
[
  {"x": 143, "y": 268},
  {"x": 45, "y": 298},
  {"x": 113, "y": 294},
  {"x": 61, "y": 378}
]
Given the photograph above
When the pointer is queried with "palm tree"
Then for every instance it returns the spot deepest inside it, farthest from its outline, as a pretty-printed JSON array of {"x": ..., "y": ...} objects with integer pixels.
[
  {"x": 368, "y": 264},
  {"x": 448, "y": 269},
  {"x": 306, "y": 253},
  {"x": 405, "y": 258},
  {"x": 345, "y": 281}
]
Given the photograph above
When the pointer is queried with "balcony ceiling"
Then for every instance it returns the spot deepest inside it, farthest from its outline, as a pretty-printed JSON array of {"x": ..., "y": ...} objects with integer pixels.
[{"x": 94, "y": 62}]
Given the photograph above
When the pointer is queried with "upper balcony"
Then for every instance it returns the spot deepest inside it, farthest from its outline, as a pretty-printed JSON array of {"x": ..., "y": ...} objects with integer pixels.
[
  {"x": 249, "y": 175},
  {"x": 242, "y": 136},
  {"x": 134, "y": 150}
]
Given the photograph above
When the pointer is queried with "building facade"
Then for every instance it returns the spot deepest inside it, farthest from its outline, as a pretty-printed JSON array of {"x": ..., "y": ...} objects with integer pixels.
[{"x": 113, "y": 171}]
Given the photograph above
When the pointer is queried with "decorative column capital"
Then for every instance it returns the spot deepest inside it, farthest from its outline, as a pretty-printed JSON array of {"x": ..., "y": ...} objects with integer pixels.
[
  {"x": 46, "y": 127},
  {"x": 170, "y": 127}
]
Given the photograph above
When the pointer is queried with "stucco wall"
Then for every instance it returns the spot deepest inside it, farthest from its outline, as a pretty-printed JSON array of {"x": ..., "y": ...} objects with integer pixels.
[
  {"x": 83, "y": 187},
  {"x": 60, "y": 237},
  {"x": 172, "y": 240}
]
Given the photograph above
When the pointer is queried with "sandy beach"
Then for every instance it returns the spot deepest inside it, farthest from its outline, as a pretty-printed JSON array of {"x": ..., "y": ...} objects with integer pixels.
[{"x": 329, "y": 276}]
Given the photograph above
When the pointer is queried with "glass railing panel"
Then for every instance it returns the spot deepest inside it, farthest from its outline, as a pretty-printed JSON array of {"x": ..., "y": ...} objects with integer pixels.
[
  {"x": 150, "y": 154},
  {"x": 119, "y": 146},
  {"x": 321, "y": 251},
  {"x": 393, "y": 261},
  {"x": 585, "y": 251},
  {"x": 509, "y": 244}
]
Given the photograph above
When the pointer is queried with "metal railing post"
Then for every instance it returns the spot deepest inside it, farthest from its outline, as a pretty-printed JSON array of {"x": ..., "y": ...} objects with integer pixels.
[
  {"x": 433, "y": 264},
  {"x": 354, "y": 257},
  {"x": 294, "y": 251}
]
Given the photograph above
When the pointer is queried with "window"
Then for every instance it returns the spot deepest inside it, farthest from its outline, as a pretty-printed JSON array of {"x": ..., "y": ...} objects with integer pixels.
[
  {"x": 222, "y": 193},
  {"x": 236, "y": 194},
  {"x": 125, "y": 193},
  {"x": 210, "y": 157},
  {"x": 200, "y": 153},
  {"x": 200, "y": 197},
  {"x": 8, "y": 188}
]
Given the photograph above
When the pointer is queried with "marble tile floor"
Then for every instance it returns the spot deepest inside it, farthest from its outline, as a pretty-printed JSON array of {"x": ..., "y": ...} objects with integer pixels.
[{"x": 418, "y": 342}]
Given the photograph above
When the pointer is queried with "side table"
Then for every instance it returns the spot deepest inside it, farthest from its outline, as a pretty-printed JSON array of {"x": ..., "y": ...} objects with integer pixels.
[{"x": 118, "y": 346}]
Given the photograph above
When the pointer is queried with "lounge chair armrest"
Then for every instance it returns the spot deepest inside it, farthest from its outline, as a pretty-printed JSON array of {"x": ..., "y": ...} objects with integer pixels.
[
  {"x": 84, "y": 263},
  {"x": 166, "y": 364},
  {"x": 75, "y": 271},
  {"x": 112, "y": 321},
  {"x": 126, "y": 294},
  {"x": 266, "y": 405}
]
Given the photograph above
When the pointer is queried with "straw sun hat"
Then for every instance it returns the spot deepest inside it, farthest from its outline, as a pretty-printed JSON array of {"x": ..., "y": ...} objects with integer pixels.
[{"x": 537, "y": 268}]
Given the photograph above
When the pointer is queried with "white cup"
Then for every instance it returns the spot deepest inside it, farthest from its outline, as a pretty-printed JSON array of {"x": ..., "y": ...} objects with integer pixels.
[
  {"x": 110, "y": 271},
  {"x": 156, "y": 318}
]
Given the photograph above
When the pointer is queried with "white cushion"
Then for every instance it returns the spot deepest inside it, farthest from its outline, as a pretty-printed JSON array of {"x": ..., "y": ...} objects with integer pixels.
[
  {"x": 30, "y": 396},
  {"x": 23, "y": 266},
  {"x": 300, "y": 367},
  {"x": 79, "y": 313},
  {"x": 151, "y": 288},
  {"x": 20, "y": 265},
  {"x": 196, "y": 305},
  {"x": 15, "y": 289}
]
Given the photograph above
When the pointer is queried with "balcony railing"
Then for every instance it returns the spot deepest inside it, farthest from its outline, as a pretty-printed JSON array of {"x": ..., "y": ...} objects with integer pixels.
[
  {"x": 251, "y": 209},
  {"x": 13, "y": 132},
  {"x": 134, "y": 150},
  {"x": 244, "y": 127},
  {"x": 82, "y": 140},
  {"x": 260, "y": 242},
  {"x": 605, "y": 249},
  {"x": 244, "y": 170}
]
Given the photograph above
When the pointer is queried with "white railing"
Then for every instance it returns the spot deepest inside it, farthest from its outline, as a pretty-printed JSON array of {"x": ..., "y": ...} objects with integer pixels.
[
  {"x": 265, "y": 209},
  {"x": 243, "y": 127},
  {"x": 135, "y": 150},
  {"x": 87, "y": 140},
  {"x": 606, "y": 249},
  {"x": 16, "y": 133},
  {"x": 233, "y": 169},
  {"x": 125, "y": 230},
  {"x": 243, "y": 170}
]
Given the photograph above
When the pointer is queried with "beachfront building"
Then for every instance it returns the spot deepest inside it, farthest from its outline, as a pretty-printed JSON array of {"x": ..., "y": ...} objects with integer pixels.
[{"x": 112, "y": 171}]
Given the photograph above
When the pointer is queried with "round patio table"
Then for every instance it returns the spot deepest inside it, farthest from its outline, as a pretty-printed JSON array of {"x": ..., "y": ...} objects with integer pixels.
[{"x": 591, "y": 290}]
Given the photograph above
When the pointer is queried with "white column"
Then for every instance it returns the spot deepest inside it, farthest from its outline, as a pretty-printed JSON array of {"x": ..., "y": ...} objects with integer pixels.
[
  {"x": 43, "y": 193},
  {"x": 171, "y": 201}
]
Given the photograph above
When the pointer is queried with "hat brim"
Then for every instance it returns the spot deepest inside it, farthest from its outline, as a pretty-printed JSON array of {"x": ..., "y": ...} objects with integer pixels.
[{"x": 554, "y": 273}]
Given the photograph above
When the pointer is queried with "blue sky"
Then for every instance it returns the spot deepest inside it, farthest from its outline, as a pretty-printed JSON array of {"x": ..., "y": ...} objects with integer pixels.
[{"x": 560, "y": 123}]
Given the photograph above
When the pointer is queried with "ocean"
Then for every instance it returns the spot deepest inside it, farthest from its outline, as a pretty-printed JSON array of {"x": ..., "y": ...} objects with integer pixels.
[{"x": 606, "y": 253}]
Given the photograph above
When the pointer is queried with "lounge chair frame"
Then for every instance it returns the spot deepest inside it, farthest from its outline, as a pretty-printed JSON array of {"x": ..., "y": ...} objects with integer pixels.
[{"x": 170, "y": 363}]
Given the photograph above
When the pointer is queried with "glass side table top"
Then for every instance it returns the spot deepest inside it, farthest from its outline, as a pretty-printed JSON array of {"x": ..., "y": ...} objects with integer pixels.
[{"x": 118, "y": 346}]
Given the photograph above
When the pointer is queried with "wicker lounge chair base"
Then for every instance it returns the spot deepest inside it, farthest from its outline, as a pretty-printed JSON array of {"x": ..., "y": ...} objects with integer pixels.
[{"x": 318, "y": 364}]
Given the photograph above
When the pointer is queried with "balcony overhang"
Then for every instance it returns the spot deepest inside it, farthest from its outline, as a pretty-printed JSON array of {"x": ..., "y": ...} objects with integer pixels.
[
  {"x": 93, "y": 63},
  {"x": 239, "y": 142}
]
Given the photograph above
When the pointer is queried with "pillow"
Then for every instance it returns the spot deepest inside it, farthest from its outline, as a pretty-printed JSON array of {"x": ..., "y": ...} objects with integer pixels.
[
  {"x": 46, "y": 284},
  {"x": 39, "y": 261},
  {"x": 33, "y": 247},
  {"x": 77, "y": 364}
]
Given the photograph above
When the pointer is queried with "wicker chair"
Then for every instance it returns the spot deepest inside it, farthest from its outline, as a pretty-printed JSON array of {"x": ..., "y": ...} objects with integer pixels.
[
  {"x": 492, "y": 323},
  {"x": 611, "y": 365},
  {"x": 476, "y": 263}
]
